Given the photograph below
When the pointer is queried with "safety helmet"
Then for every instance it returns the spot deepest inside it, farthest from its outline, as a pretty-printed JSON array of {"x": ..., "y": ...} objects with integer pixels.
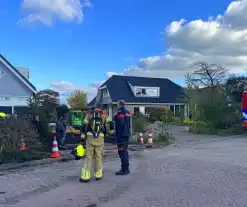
[
  {"x": 3, "y": 115},
  {"x": 79, "y": 152}
]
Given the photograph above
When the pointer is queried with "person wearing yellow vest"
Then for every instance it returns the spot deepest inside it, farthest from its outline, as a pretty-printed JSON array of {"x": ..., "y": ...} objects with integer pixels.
[{"x": 95, "y": 126}]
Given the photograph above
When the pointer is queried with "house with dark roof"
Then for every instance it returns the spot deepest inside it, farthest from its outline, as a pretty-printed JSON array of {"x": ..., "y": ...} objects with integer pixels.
[
  {"x": 141, "y": 94},
  {"x": 15, "y": 88},
  {"x": 92, "y": 102}
]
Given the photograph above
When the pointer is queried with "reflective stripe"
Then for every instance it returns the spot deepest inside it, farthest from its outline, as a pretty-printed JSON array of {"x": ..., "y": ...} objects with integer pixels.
[
  {"x": 111, "y": 132},
  {"x": 55, "y": 149},
  {"x": 98, "y": 174},
  {"x": 244, "y": 114},
  {"x": 85, "y": 174},
  {"x": 121, "y": 116},
  {"x": 108, "y": 120},
  {"x": 91, "y": 134}
]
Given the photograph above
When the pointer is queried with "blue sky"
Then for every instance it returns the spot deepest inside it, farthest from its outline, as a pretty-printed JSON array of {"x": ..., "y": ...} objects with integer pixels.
[{"x": 69, "y": 52}]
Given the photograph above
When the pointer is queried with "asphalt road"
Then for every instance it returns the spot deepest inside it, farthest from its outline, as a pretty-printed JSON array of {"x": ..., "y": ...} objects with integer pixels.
[{"x": 199, "y": 172}]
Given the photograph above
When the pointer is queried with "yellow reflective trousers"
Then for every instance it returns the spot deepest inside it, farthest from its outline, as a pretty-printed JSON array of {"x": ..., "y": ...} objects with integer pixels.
[{"x": 95, "y": 149}]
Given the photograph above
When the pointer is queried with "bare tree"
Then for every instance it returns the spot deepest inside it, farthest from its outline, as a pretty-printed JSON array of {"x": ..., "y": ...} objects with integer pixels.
[{"x": 207, "y": 75}]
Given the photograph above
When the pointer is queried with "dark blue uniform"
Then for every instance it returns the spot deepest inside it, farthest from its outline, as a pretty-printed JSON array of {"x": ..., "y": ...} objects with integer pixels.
[{"x": 122, "y": 121}]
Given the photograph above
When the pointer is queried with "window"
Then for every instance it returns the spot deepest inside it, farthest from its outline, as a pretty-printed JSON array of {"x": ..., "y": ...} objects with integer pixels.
[
  {"x": 6, "y": 109},
  {"x": 147, "y": 92},
  {"x": 105, "y": 93},
  {"x": 148, "y": 110},
  {"x": 5, "y": 98},
  {"x": 21, "y": 109},
  {"x": 136, "y": 111}
]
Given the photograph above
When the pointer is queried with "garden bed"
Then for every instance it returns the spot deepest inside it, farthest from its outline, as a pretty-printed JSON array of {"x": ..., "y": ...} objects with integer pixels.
[{"x": 22, "y": 156}]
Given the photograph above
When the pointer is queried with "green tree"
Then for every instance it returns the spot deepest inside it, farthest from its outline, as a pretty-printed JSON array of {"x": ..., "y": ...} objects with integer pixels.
[
  {"x": 235, "y": 86},
  {"x": 48, "y": 100},
  {"x": 207, "y": 98},
  {"x": 44, "y": 104},
  {"x": 62, "y": 110},
  {"x": 33, "y": 107},
  {"x": 77, "y": 100}
]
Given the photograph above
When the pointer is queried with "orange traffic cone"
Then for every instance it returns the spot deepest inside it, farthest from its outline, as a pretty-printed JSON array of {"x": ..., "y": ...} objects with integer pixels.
[
  {"x": 55, "y": 152},
  {"x": 141, "y": 140},
  {"x": 23, "y": 146},
  {"x": 150, "y": 139}
]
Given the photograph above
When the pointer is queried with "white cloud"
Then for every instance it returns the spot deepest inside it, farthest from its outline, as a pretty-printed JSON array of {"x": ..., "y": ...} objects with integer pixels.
[
  {"x": 96, "y": 84},
  {"x": 110, "y": 74},
  {"x": 235, "y": 15},
  {"x": 48, "y": 11},
  {"x": 221, "y": 40},
  {"x": 66, "y": 88}
]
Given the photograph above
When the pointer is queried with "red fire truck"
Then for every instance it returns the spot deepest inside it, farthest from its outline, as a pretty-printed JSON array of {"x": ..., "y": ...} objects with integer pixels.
[{"x": 244, "y": 109}]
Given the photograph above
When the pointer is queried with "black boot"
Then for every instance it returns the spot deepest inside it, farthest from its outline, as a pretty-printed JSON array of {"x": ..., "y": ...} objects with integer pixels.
[
  {"x": 98, "y": 179},
  {"x": 122, "y": 172},
  {"x": 84, "y": 181}
]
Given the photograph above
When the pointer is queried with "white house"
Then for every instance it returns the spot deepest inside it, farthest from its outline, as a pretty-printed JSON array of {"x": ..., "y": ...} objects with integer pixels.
[
  {"x": 141, "y": 94},
  {"x": 15, "y": 88}
]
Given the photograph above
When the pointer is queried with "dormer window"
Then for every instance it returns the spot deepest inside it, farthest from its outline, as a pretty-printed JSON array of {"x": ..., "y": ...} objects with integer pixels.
[
  {"x": 147, "y": 91},
  {"x": 105, "y": 93}
]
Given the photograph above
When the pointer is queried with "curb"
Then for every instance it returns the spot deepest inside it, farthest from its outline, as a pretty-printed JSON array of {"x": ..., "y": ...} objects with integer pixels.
[
  {"x": 13, "y": 166},
  {"x": 64, "y": 158}
]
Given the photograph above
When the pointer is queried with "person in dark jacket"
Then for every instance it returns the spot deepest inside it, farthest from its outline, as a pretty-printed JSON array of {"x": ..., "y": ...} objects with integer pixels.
[
  {"x": 36, "y": 124},
  {"x": 61, "y": 130},
  {"x": 122, "y": 127}
]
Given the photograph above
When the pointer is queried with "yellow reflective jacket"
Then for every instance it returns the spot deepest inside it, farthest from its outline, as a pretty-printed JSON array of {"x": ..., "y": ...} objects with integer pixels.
[{"x": 90, "y": 123}]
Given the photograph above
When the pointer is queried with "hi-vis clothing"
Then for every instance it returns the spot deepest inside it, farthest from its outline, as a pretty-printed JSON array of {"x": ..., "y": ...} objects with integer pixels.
[{"x": 96, "y": 125}]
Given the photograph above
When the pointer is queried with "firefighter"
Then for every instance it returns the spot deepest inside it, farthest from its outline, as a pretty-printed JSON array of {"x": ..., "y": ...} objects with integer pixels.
[
  {"x": 122, "y": 122},
  {"x": 95, "y": 125}
]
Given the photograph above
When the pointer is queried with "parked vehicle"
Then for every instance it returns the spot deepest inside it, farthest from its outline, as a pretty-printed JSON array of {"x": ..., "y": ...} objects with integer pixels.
[{"x": 244, "y": 109}]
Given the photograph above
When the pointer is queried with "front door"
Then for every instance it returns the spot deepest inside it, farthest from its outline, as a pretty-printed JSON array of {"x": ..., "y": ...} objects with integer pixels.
[{"x": 110, "y": 110}]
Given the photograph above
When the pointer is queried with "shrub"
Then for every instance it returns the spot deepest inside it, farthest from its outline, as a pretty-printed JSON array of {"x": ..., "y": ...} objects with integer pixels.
[
  {"x": 177, "y": 119},
  {"x": 139, "y": 124},
  {"x": 160, "y": 114},
  {"x": 188, "y": 121},
  {"x": 12, "y": 131},
  {"x": 201, "y": 127},
  {"x": 211, "y": 113},
  {"x": 45, "y": 135},
  {"x": 162, "y": 132}
]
